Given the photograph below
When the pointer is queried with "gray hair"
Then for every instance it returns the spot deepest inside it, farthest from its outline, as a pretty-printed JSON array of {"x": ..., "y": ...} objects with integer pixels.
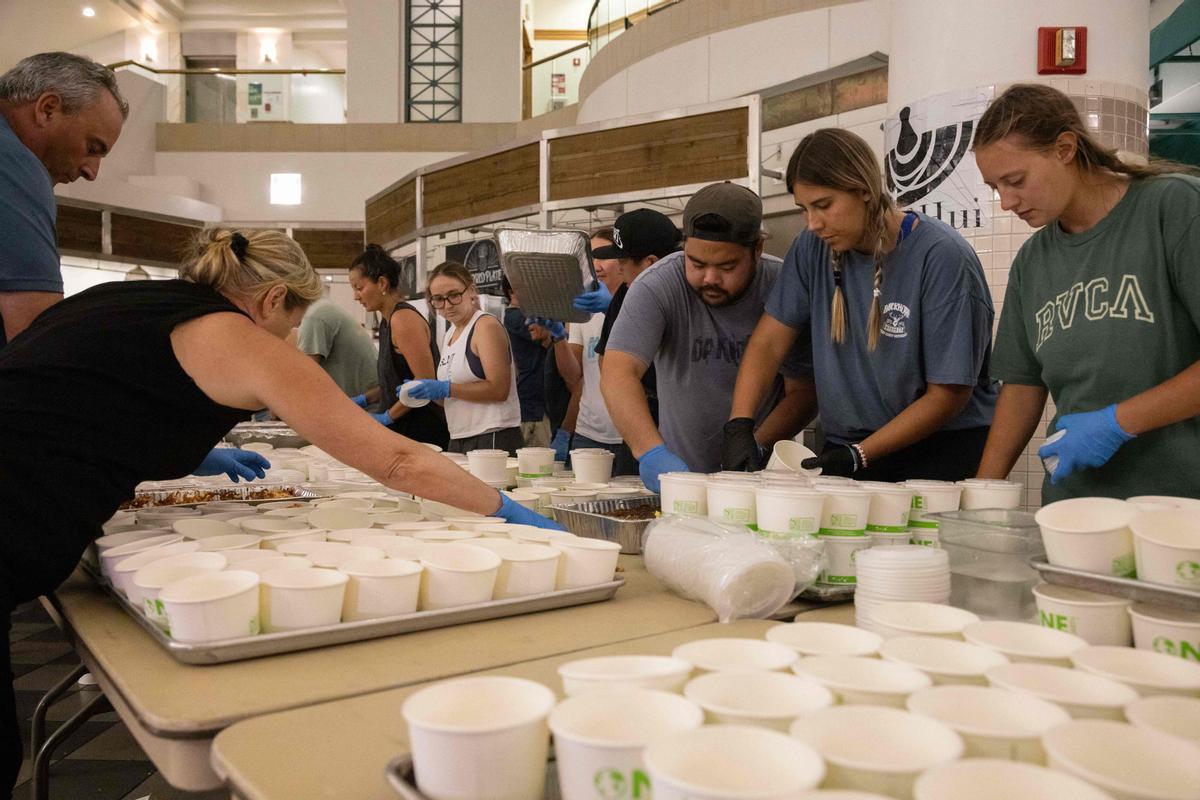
[{"x": 76, "y": 79}]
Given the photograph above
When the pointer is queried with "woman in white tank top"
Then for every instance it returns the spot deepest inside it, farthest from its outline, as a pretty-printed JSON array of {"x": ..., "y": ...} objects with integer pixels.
[{"x": 476, "y": 376}]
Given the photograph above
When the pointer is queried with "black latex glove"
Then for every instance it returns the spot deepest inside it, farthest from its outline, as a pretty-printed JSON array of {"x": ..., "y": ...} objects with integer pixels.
[
  {"x": 839, "y": 460},
  {"x": 740, "y": 451}
]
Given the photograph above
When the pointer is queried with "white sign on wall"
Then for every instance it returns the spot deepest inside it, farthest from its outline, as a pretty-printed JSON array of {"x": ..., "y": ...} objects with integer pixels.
[{"x": 928, "y": 162}]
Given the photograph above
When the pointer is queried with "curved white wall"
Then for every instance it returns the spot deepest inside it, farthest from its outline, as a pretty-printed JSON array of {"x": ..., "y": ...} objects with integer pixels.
[{"x": 737, "y": 61}]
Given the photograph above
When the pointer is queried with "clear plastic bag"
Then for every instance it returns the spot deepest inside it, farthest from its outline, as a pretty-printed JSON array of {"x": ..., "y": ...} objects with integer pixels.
[{"x": 731, "y": 569}]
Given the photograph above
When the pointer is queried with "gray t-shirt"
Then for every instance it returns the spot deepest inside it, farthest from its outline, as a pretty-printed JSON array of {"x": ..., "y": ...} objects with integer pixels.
[
  {"x": 937, "y": 328},
  {"x": 344, "y": 346},
  {"x": 696, "y": 349}
]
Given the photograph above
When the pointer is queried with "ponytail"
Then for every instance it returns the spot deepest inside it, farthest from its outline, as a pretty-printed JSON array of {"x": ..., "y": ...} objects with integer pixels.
[{"x": 250, "y": 263}]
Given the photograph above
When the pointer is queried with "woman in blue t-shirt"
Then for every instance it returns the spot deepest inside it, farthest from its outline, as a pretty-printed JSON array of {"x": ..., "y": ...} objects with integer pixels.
[{"x": 899, "y": 317}]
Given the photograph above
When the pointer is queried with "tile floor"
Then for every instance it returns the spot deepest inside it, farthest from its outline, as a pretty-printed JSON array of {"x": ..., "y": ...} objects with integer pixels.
[{"x": 101, "y": 760}]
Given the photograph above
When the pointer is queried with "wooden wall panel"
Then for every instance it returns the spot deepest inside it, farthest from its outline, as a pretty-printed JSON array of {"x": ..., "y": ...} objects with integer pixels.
[
  {"x": 393, "y": 216},
  {"x": 509, "y": 179},
  {"x": 79, "y": 229},
  {"x": 674, "y": 152},
  {"x": 329, "y": 248},
  {"x": 150, "y": 240}
]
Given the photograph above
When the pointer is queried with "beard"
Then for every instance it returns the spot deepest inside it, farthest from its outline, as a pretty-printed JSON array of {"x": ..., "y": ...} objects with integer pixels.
[{"x": 715, "y": 296}]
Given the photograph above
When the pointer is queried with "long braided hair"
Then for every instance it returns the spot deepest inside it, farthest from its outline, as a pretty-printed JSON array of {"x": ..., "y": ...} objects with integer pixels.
[{"x": 841, "y": 160}]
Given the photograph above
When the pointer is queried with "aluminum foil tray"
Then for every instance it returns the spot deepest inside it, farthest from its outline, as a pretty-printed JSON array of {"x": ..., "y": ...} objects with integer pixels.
[
  {"x": 587, "y": 519},
  {"x": 240, "y": 493},
  {"x": 548, "y": 270},
  {"x": 1156, "y": 594},
  {"x": 276, "y": 434},
  {"x": 272, "y": 644},
  {"x": 402, "y": 778}
]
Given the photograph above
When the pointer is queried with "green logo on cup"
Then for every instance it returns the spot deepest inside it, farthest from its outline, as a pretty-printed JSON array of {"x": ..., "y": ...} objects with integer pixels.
[
  {"x": 1124, "y": 566},
  {"x": 848, "y": 521},
  {"x": 687, "y": 507},
  {"x": 802, "y": 524},
  {"x": 611, "y": 784},
  {"x": 737, "y": 515},
  {"x": 1188, "y": 571},
  {"x": 1059, "y": 622},
  {"x": 1185, "y": 650},
  {"x": 918, "y": 503}
]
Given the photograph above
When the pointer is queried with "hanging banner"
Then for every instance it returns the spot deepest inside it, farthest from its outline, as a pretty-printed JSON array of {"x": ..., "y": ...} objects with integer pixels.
[
  {"x": 482, "y": 258},
  {"x": 928, "y": 162}
]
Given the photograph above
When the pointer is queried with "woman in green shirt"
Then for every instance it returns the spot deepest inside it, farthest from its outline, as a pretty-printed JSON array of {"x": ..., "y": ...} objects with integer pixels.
[{"x": 1102, "y": 307}]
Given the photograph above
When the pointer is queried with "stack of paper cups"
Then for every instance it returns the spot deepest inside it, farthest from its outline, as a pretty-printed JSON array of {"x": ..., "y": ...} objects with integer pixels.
[
  {"x": 887, "y": 523},
  {"x": 732, "y": 500},
  {"x": 906, "y": 574},
  {"x": 684, "y": 493},
  {"x": 844, "y": 527},
  {"x": 535, "y": 462},
  {"x": 788, "y": 512},
  {"x": 930, "y": 497}
]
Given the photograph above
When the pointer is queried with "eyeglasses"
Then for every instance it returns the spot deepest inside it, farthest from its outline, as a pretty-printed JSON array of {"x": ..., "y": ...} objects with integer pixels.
[{"x": 449, "y": 299}]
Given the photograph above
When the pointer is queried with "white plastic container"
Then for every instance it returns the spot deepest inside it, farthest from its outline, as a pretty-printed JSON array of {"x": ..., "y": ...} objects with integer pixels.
[
  {"x": 535, "y": 462},
  {"x": 354, "y": 503},
  {"x": 113, "y": 555},
  {"x": 788, "y": 511},
  {"x": 592, "y": 465},
  {"x": 149, "y": 581},
  {"x": 469, "y": 523},
  {"x": 1166, "y": 630},
  {"x": 1147, "y": 672},
  {"x": 920, "y": 619},
  {"x": 932, "y": 497},
  {"x": 262, "y": 566},
  {"x": 1089, "y": 533},
  {"x": 457, "y": 575},
  {"x": 841, "y": 552},
  {"x": 890, "y": 505},
  {"x": 122, "y": 571},
  {"x": 445, "y": 536},
  {"x": 239, "y": 556},
  {"x": 619, "y": 673},
  {"x": 945, "y": 661},
  {"x": 731, "y": 762},
  {"x": 1095, "y": 618},
  {"x": 1078, "y": 693},
  {"x": 409, "y": 528},
  {"x": 332, "y": 519},
  {"x": 525, "y": 569},
  {"x": 846, "y": 510},
  {"x": 273, "y": 541},
  {"x": 684, "y": 493},
  {"x": 1178, "y": 716},
  {"x": 993, "y": 723},
  {"x": 267, "y": 526},
  {"x": 825, "y": 639},
  {"x": 993, "y": 779},
  {"x": 1129, "y": 762},
  {"x": 1167, "y": 547},
  {"x": 488, "y": 465},
  {"x": 787, "y": 456},
  {"x": 584, "y": 562},
  {"x": 334, "y": 557},
  {"x": 354, "y": 535},
  {"x": 480, "y": 737},
  {"x": 877, "y": 749},
  {"x": 201, "y": 528},
  {"x": 863, "y": 681},
  {"x": 234, "y": 541},
  {"x": 599, "y": 738},
  {"x": 380, "y": 588},
  {"x": 1021, "y": 641},
  {"x": 768, "y": 700},
  {"x": 570, "y": 497},
  {"x": 732, "y": 502},
  {"x": 714, "y": 655},
  {"x": 979, "y": 493},
  {"x": 212, "y": 606},
  {"x": 294, "y": 599}
]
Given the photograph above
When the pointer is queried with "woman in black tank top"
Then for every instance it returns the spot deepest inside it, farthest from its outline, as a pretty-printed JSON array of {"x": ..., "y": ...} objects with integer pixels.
[
  {"x": 406, "y": 348},
  {"x": 158, "y": 372}
]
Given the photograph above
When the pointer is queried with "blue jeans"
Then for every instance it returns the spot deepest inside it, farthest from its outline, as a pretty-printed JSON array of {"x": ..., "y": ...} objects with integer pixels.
[{"x": 623, "y": 464}]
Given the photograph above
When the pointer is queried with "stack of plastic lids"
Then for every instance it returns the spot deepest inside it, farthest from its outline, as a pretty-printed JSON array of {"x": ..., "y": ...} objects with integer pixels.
[{"x": 903, "y": 572}]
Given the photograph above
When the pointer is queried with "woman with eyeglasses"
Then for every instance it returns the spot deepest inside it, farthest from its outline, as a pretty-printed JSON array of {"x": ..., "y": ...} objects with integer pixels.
[
  {"x": 476, "y": 377},
  {"x": 406, "y": 348}
]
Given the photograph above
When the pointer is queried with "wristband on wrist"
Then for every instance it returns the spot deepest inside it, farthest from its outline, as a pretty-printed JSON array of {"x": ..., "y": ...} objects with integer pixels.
[{"x": 861, "y": 456}]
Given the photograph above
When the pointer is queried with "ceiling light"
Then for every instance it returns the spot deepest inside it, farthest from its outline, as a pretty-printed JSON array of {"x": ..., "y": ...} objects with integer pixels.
[
  {"x": 285, "y": 188},
  {"x": 88, "y": 11}
]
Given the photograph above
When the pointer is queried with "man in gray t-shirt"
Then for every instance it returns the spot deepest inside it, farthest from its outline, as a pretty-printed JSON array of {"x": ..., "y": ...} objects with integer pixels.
[
  {"x": 340, "y": 345},
  {"x": 692, "y": 316}
]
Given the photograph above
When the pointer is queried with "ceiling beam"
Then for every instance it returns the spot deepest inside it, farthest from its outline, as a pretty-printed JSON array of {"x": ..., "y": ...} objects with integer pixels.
[{"x": 1175, "y": 33}]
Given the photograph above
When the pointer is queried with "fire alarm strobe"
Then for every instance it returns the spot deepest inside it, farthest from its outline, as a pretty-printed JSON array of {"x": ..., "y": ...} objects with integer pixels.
[{"x": 1062, "y": 51}]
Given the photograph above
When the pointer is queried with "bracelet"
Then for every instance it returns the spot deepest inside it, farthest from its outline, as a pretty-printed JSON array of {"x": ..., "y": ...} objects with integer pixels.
[{"x": 862, "y": 455}]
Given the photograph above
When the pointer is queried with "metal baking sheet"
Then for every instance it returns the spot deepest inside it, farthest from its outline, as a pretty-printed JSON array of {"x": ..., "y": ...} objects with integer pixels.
[
  {"x": 272, "y": 644},
  {"x": 548, "y": 270},
  {"x": 587, "y": 519},
  {"x": 1156, "y": 594},
  {"x": 402, "y": 778}
]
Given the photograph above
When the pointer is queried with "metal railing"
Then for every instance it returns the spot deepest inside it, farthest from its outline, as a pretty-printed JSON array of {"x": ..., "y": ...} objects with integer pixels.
[
  {"x": 553, "y": 82},
  {"x": 608, "y": 19}
]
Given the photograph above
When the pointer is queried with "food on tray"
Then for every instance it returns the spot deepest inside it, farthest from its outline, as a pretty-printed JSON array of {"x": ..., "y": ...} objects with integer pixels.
[
  {"x": 633, "y": 513},
  {"x": 186, "y": 496}
]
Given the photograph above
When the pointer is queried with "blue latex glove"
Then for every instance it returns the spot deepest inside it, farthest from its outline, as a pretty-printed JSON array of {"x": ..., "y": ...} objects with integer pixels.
[
  {"x": 383, "y": 418},
  {"x": 557, "y": 331},
  {"x": 427, "y": 389},
  {"x": 514, "y": 512},
  {"x": 1091, "y": 440},
  {"x": 595, "y": 301},
  {"x": 360, "y": 400},
  {"x": 562, "y": 445},
  {"x": 655, "y": 462},
  {"x": 234, "y": 463}
]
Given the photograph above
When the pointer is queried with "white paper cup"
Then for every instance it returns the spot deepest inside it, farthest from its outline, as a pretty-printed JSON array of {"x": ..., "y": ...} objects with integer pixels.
[
  {"x": 233, "y": 557},
  {"x": 731, "y": 762},
  {"x": 599, "y": 738},
  {"x": 945, "y": 661},
  {"x": 469, "y": 523},
  {"x": 119, "y": 538},
  {"x": 534, "y": 462},
  {"x": 480, "y": 737},
  {"x": 380, "y": 588},
  {"x": 621, "y": 673},
  {"x": 993, "y": 779},
  {"x": 405, "y": 396},
  {"x": 262, "y": 566},
  {"x": 841, "y": 551},
  {"x": 619, "y": 493},
  {"x": 1089, "y": 533},
  {"x": 825, "y": 639},
  {"x": 1080, "y": 694},
  {"x": 445, "y": 536},
  {"x": 306, "y": 548},
  {"x": 1095, "y": 618},
  {"x": 592, "y": 465},
  {"x": 731, "y": 502},
  {"x": 932, "y": 497},
  {"x": 846, "y": 510},
  {"x": 993, "y": 723},
  {"x": 787, "y": 456},
  {"x": 864, "y": 681},
  {"x": 212, "y": 606},
  {"x": 334, "y": 557},
  {"x": 524, "y": 498},
  {"x": 150, "y": 580},
  {"x": 1021, "y": 641},
  {"x": 111, "y": 556},
  {"x": 403, "y": 549},
  {"x": 409, "y": 528},
  {"x": 355, "y": 535},
  {"x": 383, "y": 519},
  {"x": 294, "y": 599},
  {"x": 1178, "y": 716},
  {"x": 234, "y": 541},
  {"x": 978, "y": 493},
  {"x": 525, "y": 569},
  {"x": 715, "y": 655},
  {"x": 1125, "y": 760},
  {"x": 122, "y": 570},
  {"x": 768, "y": 700},
  {"x": 203, "y": 528},
  {"x": 331, "y": 519},
  {"x": 457, "y": 575},
  {"x": 268, "y": 526},
  {"x": 877, "y": 749},
  {"x": 1166, "y": 630},
  {"x": 488, "y": 465},
  {"x": 584, "y": 562},
  {"x": 1147, "y": 672},
  {"x": 273, "y": 541},
  {"x": 684, "y": 493},
  {"x": 890, "y": 505},
  {"x": 353, "y": 503},
  {"x": 570, "y": 497},
  {"x": 788, "y": 511},
  {"x": 154, "y": 517},
  {"x": 1167, "y": 547}
]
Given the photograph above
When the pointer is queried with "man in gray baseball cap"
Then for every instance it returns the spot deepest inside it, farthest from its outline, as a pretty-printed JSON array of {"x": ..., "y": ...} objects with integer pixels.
[{"x": 692, "y": 316}]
